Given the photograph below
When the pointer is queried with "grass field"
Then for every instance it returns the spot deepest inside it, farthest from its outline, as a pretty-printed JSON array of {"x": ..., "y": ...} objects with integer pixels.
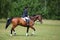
[{"x": 49, "y": 30}]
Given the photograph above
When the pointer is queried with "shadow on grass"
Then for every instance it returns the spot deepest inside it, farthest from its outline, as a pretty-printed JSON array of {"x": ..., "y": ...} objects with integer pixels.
[{"x": 28, "y": 35}]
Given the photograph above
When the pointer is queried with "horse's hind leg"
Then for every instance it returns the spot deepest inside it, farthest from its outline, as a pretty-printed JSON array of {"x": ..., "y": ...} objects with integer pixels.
[{"x": 12, "y": 29}]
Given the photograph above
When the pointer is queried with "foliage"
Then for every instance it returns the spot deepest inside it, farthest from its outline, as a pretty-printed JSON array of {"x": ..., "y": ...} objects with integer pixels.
[{"x": 49, "y": 9}]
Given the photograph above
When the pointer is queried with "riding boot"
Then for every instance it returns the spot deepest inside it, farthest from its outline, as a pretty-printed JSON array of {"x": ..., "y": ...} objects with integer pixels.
[{"x": 27, "y": 21}]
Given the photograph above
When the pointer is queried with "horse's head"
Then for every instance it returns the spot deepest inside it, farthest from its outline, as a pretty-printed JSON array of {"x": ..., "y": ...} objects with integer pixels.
[{"x": 36, "y": 17}]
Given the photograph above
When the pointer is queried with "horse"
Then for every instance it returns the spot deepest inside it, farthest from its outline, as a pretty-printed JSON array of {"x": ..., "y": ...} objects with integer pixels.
[{"x": 19, "y": 21}]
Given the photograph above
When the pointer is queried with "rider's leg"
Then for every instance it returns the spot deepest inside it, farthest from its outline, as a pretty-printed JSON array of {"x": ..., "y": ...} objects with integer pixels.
[{"x": 27, "y": 21}]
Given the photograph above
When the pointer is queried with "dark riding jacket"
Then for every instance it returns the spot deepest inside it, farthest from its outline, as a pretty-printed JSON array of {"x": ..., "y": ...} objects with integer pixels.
[{"x": 25, "y": 13}]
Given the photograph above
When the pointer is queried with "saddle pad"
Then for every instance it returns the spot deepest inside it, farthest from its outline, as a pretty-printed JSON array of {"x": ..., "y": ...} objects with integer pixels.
[{"x": 23, "y": 19}]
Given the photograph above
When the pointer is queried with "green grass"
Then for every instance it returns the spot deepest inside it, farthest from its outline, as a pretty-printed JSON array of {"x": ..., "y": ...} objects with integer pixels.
[{"x": 49, "y": 30}]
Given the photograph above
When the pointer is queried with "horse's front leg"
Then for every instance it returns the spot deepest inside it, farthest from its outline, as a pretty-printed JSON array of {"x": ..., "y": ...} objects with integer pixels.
[
  {"x": 33, "y": 30},
  {"x": 27, "y": 30},
  {"x": 14, "y": 32}
]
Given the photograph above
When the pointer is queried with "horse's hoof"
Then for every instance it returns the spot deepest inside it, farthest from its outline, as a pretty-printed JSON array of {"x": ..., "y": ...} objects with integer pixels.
[
  {"x": 32, "y": 34},
  {"x": 14, "y": 34},
  {"x": 10, "y": 34},
  {"x": 27, "y": 34}
]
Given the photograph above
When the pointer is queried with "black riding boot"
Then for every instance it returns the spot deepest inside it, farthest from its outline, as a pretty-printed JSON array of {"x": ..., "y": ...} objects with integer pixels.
[{"x": 27, "y": 21}]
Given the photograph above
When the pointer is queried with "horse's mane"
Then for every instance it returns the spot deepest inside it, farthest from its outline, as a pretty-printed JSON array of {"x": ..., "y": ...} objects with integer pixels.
[{"x": 33, "y": 15}]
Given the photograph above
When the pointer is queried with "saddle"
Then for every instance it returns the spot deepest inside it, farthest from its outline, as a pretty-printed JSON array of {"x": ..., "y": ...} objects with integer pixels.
[{"x": 27, "y": 19}]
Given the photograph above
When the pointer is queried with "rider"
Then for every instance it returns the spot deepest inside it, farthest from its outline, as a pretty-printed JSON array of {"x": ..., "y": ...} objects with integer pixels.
[{"x": 25, "y": 15}]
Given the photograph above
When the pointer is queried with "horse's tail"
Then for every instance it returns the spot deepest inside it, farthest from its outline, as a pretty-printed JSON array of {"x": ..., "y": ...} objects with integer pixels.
[{"x": 8, "y": 22}]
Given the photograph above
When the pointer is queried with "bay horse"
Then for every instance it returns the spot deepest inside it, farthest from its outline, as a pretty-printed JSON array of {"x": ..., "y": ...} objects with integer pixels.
[{"x": 19, "y": 21}]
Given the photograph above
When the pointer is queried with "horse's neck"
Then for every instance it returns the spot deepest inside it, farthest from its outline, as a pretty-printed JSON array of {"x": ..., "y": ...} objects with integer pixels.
[{"x": 33, "y": 18}]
